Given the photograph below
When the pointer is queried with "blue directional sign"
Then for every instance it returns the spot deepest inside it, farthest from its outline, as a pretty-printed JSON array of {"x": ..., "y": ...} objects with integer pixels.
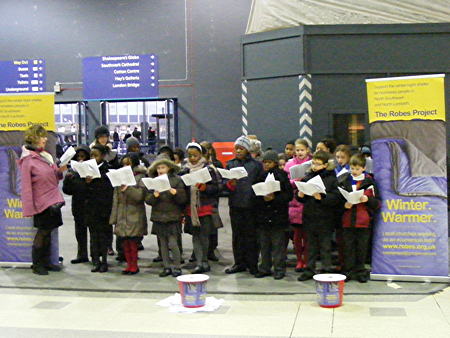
[
  {"x": 120, "y": 77},
  {"x": 22, "y": 76}
]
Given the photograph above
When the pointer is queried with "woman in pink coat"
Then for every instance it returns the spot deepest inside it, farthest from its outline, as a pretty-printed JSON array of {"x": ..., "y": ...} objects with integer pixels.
[
  {"x": 41, "y": 197},
  {"x": 302, "y": 155}
]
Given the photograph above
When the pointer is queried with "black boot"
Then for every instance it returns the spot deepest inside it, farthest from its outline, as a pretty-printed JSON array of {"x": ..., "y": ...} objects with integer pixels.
[
  {"x": 38, "y": 266},
  {"x": 96, "y": 264},
  {"x": 48, "y": 256}
]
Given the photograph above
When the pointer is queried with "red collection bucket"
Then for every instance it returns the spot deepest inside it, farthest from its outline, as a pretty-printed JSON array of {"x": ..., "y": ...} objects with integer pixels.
[
  {"x": 330, "y": 289},
  {"x": 193, "y": 289}
]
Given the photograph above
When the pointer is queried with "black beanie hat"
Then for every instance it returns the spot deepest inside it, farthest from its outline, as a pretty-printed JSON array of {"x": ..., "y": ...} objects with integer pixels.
[
  {"x": 101, "y": 131},
  {"x": 270, "y": 155}
]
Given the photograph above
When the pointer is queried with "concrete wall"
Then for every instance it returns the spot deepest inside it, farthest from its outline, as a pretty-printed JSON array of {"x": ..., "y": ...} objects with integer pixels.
[
  {"x": 197, "y": 41},
  {"x": 339, "y": 59}
]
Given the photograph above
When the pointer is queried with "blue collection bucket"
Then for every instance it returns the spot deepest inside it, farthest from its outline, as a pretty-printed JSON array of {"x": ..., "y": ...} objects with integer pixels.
[
  {"x": 193, "y": 289},
  {"x": 330, "y": 289}
]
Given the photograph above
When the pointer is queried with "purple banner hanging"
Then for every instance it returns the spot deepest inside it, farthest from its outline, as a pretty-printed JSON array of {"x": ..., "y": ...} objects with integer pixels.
[
  {"x": 411, "y": 229},
  {"x": 16, "y": 232}
]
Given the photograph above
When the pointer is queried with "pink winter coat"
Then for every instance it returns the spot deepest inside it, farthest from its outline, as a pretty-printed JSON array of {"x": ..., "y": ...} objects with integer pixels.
[
  {"x": 295, "y": 207},
  {"x": 39, "y": 183}
]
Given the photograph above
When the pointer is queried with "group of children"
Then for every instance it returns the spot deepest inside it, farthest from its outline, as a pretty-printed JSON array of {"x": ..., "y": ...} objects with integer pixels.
[{"x": 261, "y": 225}]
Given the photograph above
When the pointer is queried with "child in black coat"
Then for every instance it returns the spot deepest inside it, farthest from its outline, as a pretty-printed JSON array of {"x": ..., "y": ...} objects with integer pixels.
[
  {"x": 76, "y": 186},
  {"x": 272, "y": 219},
  {"x": 319, "y": 214},
  {"x": 98, "y": 210}
]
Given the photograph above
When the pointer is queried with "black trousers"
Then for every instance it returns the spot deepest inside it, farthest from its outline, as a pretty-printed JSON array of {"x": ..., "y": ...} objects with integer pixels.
[
  {"x": 213, "y": 242},
  {"x": 272, "y": 242},
  {"x": 100, "y": 239},
  {"x": 319, "y": 242},
  {"x": 81, "y": 234},
  {"x": 244, "y": 237},
  {"x": 356, "y": 243}
]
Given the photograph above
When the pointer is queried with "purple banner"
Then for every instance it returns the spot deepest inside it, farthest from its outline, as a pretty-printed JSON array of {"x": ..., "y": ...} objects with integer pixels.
[
  {"x": 411, "y": 229},
  {"x": 120, "y": 77},
  {"x": 16, "y": 232},
  {"x": 22, "y": 76}
]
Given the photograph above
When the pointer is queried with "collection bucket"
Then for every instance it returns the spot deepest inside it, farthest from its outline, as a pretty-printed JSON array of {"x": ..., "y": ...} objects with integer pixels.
[
  {"x": 193, "y": 289},
  {"x": 330, "y": 289}
]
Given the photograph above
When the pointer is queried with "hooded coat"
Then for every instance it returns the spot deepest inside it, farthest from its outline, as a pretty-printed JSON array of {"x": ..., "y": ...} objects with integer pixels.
[
  {"x": 76, "y": 186},
  {"x": 167, "y": 208},
  {"x": 128, "y": 209}
]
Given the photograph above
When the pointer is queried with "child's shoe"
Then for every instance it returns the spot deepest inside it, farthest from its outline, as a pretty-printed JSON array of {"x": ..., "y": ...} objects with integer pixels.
[
  {"x": 279, "y": 275},
  {"x": 166, "y": 272},
  {"x": 96, "y": 267},
  {"x": 103, "y": 267},
  {"x": 176, "y": 272},
  {"x": 306, "y": 275},
  {"x": 262, "y": 274}
]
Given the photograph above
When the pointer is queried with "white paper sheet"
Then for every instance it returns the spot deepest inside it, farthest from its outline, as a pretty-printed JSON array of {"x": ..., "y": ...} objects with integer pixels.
[
  {"x": 174, "y": 304},
  {"x": 352, "y": 197},
  {"x": 299, "y": 170},
  {"x": 67, "y": 156},
  {"x": 200, "y": 176},
  {"x": 311, "y": 187},
  {"x": 342, "y": 172},
  {"x": 122, "y": 176},
  {"x": 160, "y": 183},
  {"x": 267, "y": 187},
  {"x": 86, "y": 168},
  {"x": 233, "y": 173}
]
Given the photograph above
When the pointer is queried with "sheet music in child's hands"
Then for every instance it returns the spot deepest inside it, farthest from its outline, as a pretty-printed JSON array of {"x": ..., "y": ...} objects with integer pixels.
[
  {"x": 314, "y": 185},
  {"x": 299, "y": 170},
  {"x": 353, "y": 197},
  {"x": 122, "y": 176},
  {"x": 160, "y": 183},
  {"x": 86, "y": 168},
  {"x": 200, "y": 176},
  {"x": 342, "y": 172},
  {"x": 234, "y": 173},
  {"x": 67, "y": 156},
  {"x": 267, "y": 187}
]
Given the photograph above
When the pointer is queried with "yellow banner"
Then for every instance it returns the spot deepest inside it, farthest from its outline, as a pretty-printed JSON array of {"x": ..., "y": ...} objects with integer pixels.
[
  {"x": 406, "y": 98},
  {"x": 21, "y": 111}
]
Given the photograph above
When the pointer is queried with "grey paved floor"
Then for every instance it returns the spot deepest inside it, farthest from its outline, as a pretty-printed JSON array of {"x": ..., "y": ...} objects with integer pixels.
[{"x": 79, "y": 277}]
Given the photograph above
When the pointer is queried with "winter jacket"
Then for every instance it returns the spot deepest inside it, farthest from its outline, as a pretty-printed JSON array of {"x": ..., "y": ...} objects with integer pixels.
[
  {"x": 128, "y": 208},
  {"x": 76, "y": 186},
  {"x": 295, "y": 207},
  {"x": 360, "y": 215},
  {"x": 99, "y": 198},
  {"x": 39, "y": 182},
  {"x": 168, "y": 208},
  {"x": 320, "y": 215},
  {"x": 274, "y": 213},
  {"x": 242, "y": 195},
  {"x": 208, "y": 198}
]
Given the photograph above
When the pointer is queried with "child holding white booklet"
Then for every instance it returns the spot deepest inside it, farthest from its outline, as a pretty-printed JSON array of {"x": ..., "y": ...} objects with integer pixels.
[
  {"x": 318, "y": 214},
  {"x": 302, "y": 155},
  {"x": 273, "y": 219},
  {"x": 167, "y": 209},
  {"x": 357, "y": 218},
  {"x": 201, "y": 202},
  {"x": 128, "y": 213}
]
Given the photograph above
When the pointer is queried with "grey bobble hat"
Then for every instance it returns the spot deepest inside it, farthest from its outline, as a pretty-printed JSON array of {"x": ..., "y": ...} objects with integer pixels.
[
  {"x": 270, "y": 155},
  {"x": 132, "y": 141},
  {"x": 243, "y": 141}
]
